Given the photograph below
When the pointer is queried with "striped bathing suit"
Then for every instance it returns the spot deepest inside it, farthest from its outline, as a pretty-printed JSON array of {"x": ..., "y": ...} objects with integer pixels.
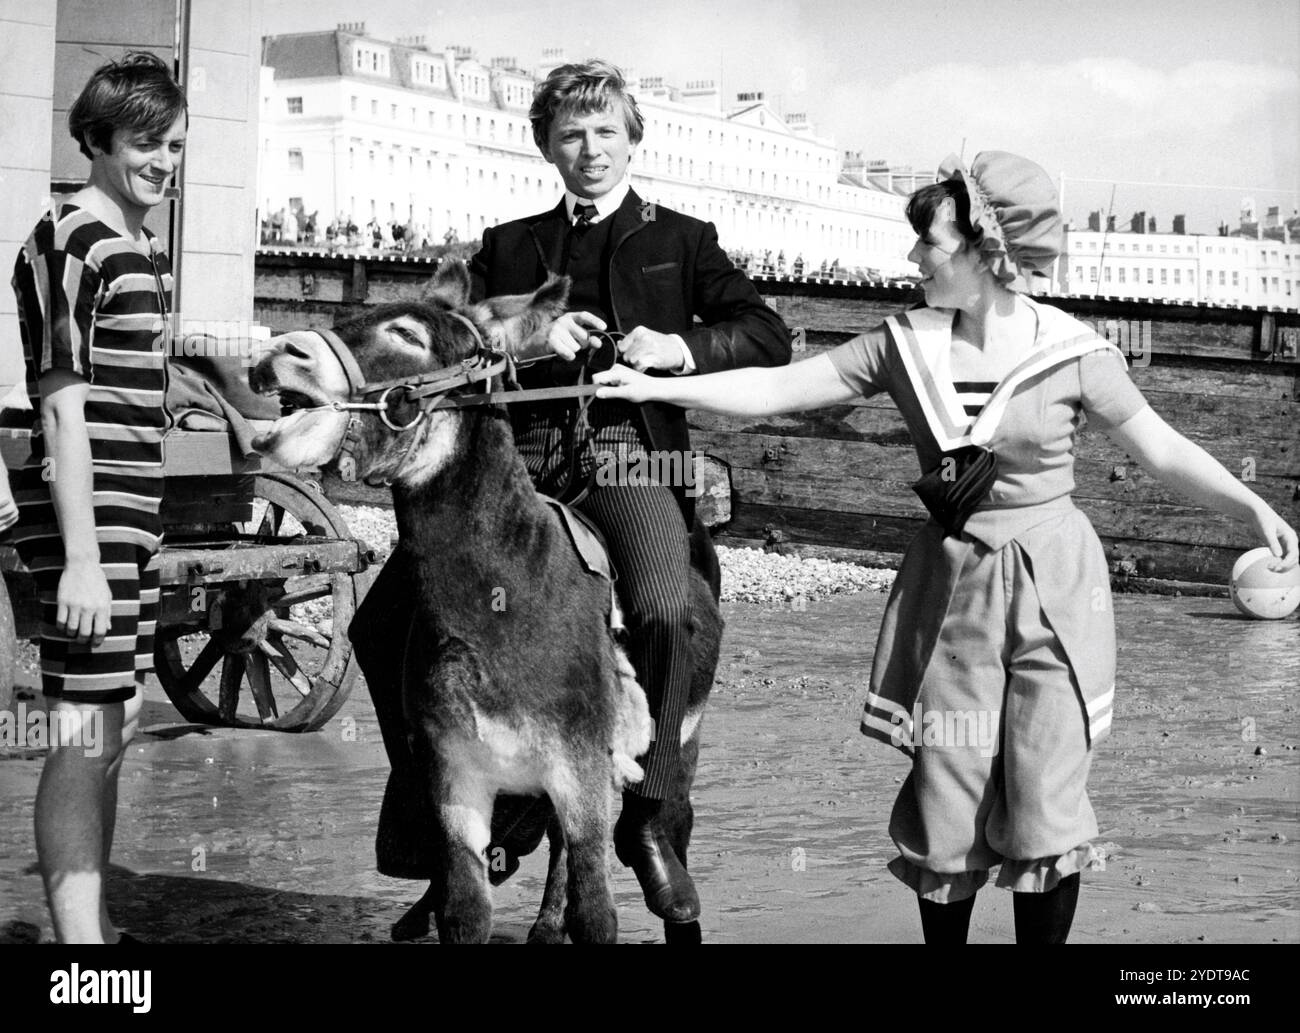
[{"x": 92, "y": 302}]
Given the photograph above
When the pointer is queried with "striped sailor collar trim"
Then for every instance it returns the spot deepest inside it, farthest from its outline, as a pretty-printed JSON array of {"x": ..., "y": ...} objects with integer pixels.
[{"x": 923, "y": 337}]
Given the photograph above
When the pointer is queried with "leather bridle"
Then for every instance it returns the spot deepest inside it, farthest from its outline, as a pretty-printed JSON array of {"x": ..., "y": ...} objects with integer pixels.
[{"x": 431, "y": 391}]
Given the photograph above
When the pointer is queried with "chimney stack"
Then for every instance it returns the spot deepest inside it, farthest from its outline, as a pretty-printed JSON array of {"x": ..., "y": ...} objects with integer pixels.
[{"x": 1180, "y": 224}]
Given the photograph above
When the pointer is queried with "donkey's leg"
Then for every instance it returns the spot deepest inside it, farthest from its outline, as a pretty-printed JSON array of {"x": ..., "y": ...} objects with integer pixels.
[
  {"x": 584, "y": 813},
  {"x": 462, "y": 805},
  {"x": 678, "y": 819},
  {"x": 549, "y": 926},
  {"x": 414, "y": 925}
]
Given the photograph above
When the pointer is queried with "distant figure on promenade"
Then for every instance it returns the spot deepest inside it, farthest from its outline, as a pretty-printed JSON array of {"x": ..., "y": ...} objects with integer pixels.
[{"x": 999, "y": 626}]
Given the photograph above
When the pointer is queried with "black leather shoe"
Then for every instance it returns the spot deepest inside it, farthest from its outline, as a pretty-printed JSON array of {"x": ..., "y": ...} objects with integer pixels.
[{"x": 641, "y": 844}]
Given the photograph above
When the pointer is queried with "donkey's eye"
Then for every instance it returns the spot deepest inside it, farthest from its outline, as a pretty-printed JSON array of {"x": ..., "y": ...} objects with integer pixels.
[{"x": 407, "y": 334}]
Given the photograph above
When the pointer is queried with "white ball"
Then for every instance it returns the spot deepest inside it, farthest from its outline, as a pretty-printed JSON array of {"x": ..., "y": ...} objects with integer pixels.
[{"x": 1260, "y": 592}]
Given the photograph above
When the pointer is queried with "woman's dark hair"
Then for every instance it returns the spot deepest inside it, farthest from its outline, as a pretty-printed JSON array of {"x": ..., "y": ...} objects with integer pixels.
[
  {"x": 922, "y": 205},
  {"x": 137, "y": 93}
]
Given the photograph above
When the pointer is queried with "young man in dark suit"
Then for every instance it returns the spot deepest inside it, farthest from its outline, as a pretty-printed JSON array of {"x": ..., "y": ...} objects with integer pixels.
[{"x": 645, "y": 271}]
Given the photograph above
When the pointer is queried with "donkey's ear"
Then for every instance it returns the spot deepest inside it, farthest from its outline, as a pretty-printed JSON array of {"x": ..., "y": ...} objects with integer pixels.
[
  {"x": 449, "y": 285},
  {"x": 518, "y": 323}
]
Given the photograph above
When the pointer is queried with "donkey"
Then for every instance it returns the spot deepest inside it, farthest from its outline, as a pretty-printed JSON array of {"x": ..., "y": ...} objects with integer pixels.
[{"x": 514, "y": 684}]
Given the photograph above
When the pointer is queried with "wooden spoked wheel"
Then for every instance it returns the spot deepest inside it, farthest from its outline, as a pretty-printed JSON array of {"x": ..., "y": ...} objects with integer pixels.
[{"x": 278, "y": 656}]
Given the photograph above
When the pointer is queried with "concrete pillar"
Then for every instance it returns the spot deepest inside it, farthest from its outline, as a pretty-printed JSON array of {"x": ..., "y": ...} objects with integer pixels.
[{"x": 26, "y": 101}]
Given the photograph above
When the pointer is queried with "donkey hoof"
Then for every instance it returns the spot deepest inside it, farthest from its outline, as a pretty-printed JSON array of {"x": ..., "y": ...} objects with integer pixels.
[
  {"x": 682, "y": 932},
  {"x": 413, "y": 925},
  {"x": 546, "y": 932}
]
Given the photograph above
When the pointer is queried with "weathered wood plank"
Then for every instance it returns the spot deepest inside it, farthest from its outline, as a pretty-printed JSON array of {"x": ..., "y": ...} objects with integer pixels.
[
  {"x": 1196, "y": 563},
  {"x": 1268, "y": 456},
  {"x": 868, "y": 482},
  {"x": 1255, "y": 377}
]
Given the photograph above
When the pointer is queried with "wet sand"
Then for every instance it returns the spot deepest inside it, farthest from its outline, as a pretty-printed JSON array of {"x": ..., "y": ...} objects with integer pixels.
[{"x": 250, "y": 836}]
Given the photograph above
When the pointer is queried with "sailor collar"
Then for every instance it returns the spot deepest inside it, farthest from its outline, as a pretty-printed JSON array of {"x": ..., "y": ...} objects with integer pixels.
[{"x": 923, "y": 337}]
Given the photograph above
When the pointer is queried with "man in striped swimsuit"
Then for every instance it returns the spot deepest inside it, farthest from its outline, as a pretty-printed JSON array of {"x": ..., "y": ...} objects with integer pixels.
[{"x": 93, "y": 293}]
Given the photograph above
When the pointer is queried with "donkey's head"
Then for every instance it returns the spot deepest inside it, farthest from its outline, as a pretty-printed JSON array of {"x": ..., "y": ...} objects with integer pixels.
[{"x": 391, "y": 342}]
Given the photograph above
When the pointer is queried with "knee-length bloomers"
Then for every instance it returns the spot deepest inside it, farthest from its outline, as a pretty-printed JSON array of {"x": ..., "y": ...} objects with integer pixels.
[
  {"x": 92, "y": 302},
  {"x": 995, "y": 665}
]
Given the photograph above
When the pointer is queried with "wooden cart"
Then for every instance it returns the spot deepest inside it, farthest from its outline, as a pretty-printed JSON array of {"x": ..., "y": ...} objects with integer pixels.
[{"x": 260, "y": 578}]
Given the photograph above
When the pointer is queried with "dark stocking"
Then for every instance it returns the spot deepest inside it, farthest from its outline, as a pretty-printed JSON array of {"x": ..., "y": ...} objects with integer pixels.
[
  {"x": 946, "y": 923},
  {"x": 1046, "y": 917}
]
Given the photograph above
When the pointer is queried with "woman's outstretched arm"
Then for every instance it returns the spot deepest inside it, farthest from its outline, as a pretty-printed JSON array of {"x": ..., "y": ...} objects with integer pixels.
[
  {"x": 751, "y": 391},
  {"x": 1190, "y": 470}
]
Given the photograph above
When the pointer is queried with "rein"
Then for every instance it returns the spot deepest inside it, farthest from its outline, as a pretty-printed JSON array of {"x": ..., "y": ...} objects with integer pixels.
[{"x": 431, "y": 391}]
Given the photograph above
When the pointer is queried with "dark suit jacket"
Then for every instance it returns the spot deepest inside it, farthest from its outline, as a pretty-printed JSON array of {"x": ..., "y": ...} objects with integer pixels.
[{"x": 664, "y": 269}]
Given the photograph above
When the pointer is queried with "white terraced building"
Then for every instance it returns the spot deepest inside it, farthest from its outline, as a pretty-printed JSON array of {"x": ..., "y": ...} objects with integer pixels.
[
  {"x": 401, "y": 132},
  {"x": 1255, "y": 266}
]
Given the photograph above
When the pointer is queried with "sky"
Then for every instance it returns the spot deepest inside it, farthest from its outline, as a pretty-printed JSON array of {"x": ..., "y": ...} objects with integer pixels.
[{"x": 1159, "y": 100}]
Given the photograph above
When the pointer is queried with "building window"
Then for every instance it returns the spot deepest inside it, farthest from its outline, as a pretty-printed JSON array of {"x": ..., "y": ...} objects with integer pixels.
[
  {"x": 1121, "y": 274},
  {"x": 1177, "y": 276},
  {"x": 295, "y": 159},
  {"x": 354, "y": 105},
  {"x": 392, "y": 112},
  {"x": 1092, "y": 269},
  {"x": 1164, "y": 276},
  {"x": 295, "y": 105},
  {"x": 1236, "y": 279},
  {"x": 374, "y": 108},
  {"x": 1221, "y": 278},
  {"x": 1151, "y": 274}
]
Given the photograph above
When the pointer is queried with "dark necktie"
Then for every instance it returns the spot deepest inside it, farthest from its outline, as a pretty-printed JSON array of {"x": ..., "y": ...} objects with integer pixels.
[{"x": 584, "y": 214}]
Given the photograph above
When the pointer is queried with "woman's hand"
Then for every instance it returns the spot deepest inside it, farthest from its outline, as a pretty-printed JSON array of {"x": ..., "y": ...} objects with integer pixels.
[
  {"x": 569, "y": 334},
  {"x": 627, "y": 384},
  {"x": 1278, "y": 535},
  {"x": 85, "y": 603}
]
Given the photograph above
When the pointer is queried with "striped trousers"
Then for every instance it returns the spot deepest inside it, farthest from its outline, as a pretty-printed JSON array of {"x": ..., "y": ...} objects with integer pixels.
[{"x": 647, "y": 541}]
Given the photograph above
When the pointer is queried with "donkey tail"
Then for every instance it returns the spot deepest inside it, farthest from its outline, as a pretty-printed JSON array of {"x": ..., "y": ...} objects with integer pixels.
[{"x": 631, "y": 721}]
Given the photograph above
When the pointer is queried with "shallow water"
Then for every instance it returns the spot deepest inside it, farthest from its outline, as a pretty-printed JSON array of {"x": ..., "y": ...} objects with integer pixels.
[{"x": 251, "y": 836}]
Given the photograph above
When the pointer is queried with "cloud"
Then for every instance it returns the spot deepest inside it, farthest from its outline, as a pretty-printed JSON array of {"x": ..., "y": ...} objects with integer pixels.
[{"x": 1080, "y": 107}]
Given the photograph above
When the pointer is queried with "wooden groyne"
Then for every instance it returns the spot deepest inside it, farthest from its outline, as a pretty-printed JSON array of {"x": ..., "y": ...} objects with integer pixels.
[{"x": 837, "y": 481}]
